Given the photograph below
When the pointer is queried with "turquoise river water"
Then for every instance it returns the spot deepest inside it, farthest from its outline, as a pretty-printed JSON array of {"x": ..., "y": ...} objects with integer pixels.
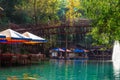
[{"x": 66, "y": 70}]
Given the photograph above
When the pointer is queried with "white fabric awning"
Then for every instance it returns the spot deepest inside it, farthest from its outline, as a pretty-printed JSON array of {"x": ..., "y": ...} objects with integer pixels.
[
  {"x": 9, "y": 33},
  {"x": 34, "y": 37}
]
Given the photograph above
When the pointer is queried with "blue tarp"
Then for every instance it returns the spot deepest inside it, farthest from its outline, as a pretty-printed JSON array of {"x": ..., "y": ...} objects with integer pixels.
[
  {"x": 78, "y": 50},
  {"x": 55, "y": 49},
  {"x": 58, "y": 49},
  {"x": 63, "y": 50}
]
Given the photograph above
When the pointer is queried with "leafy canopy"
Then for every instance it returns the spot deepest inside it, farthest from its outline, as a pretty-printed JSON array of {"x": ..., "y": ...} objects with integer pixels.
[{"x": 105, "y": 15}]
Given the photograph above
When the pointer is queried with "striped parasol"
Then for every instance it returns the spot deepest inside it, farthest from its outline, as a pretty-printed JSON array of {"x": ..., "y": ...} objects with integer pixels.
[
  {"x": 13, "y": 36},
  {"x": 35, "y": 38}
]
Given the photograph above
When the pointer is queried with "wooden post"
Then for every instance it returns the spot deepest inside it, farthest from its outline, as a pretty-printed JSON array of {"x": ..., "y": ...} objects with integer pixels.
[{"x": 66, "y": 43}]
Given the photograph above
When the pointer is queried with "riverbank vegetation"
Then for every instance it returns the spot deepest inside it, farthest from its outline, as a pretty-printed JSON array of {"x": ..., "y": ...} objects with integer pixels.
[{"x": 104, "y": 15}]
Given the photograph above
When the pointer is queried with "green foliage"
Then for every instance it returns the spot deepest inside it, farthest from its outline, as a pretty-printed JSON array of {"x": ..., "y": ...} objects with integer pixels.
[
  {"x": 21, "y": 18},
  {"x": 28, "y": 11},
  {"x": 40, "y": 11},
  {"x": 72, "y": 13},
  {"x": 105, "y": 15},
  {"x": 9, "y": 8}
]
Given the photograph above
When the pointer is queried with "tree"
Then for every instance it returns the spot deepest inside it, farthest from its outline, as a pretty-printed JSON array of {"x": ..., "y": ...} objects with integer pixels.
[
  {"x": 42, "y": 11},
  {"x": 11, "y": 11},
  {"x": 105, "y": 16},
  {"x": 30, "y": 11},
  {"x": 72, "y": 13}
]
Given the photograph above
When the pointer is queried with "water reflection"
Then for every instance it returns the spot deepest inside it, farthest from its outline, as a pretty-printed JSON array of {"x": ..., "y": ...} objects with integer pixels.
[{"x": 68, "y": 70}]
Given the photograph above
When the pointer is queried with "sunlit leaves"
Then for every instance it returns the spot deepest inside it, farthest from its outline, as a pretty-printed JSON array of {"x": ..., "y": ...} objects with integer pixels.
[
  {"x": 73, "y": 7},
  {"x": 106, "y": 19}
]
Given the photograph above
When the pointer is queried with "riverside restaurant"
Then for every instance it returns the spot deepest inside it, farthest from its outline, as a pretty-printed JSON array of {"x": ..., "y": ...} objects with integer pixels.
[
  {"x": 54, "y": 69},
  {"x": 13, "y": 57}
]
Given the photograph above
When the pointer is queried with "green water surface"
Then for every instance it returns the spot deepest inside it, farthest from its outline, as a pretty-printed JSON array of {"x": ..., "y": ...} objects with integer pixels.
[{"x": 66, "y": 70}]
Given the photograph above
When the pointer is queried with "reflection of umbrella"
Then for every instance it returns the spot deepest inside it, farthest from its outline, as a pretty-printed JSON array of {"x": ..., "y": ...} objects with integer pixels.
[
  {"x": 13, "y": 36},
  {"x": 35, "y": 39},
  {"x": 58, "y": 49},
  {"x": 78, "y": 50}
]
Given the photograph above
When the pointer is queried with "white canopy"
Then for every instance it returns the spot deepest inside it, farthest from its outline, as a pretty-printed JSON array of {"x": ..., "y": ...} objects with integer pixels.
[
  {"x": 9, "y": 33},
  {"x": 34, "y": 37},
  {"x": 13, "y": 36}
]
